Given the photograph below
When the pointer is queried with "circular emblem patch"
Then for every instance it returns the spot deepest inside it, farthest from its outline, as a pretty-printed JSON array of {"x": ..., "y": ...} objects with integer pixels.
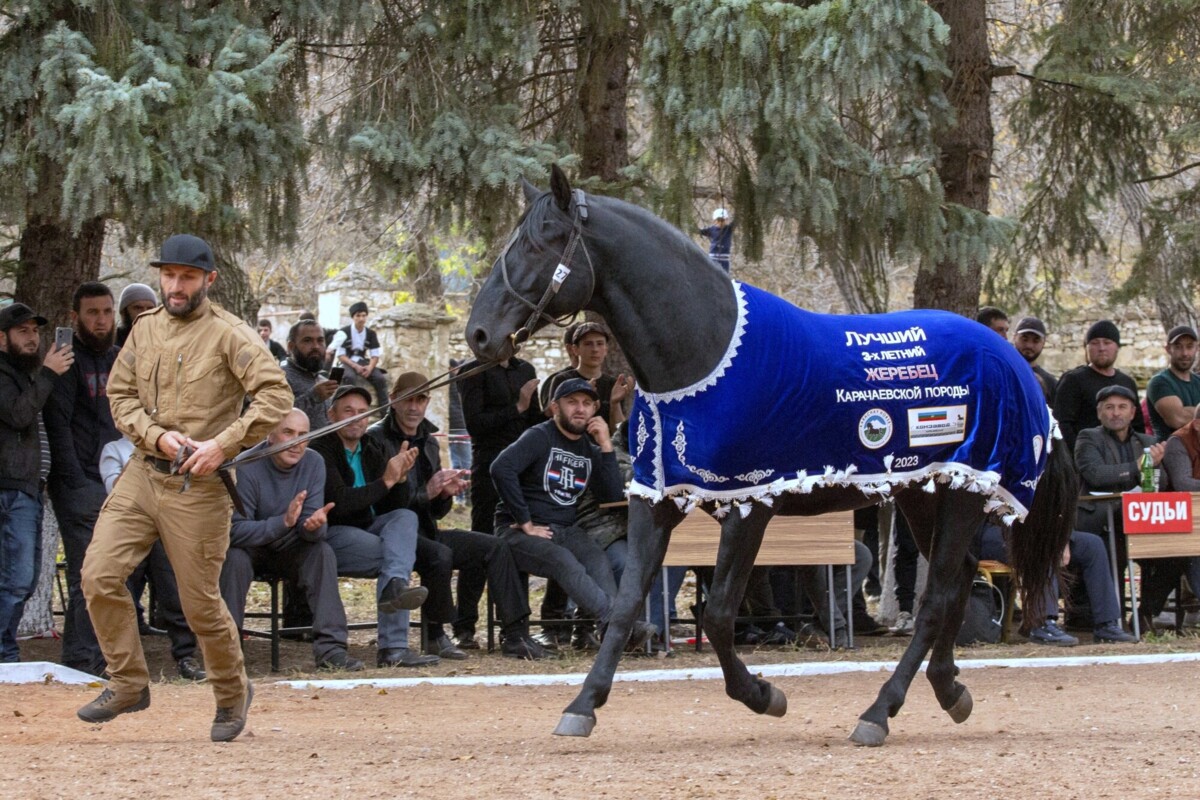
[{"x": 875, "y": 428}]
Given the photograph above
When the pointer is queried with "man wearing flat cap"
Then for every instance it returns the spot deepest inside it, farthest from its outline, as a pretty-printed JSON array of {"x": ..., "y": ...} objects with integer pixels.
[
  {"x": 26, "y": 381},
  {"x": 179, "y": 382},
  {"x": 1174, "y": 393},
  {"x": 1075, "y": 401}
]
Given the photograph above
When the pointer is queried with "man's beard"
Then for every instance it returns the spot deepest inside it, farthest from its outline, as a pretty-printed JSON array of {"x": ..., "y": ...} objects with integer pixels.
[
  {"x": 309, "y": 363},
  {"x": 26, "y": 362},
  {"x": 97, "y": 344},
  {"x": 565, "y": 423},
  {"x": 1029, "y": 358},
  {"x": 194, "y": 301}
]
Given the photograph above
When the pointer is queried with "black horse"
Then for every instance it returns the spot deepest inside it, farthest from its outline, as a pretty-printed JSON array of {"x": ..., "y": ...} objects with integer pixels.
[{"x": 674, "y": 314}]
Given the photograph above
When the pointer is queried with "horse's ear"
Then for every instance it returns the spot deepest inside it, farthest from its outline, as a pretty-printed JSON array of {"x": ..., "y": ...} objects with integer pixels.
[
  {"x": 560, "y": 187},
  {"x": 531, "y": 191}
]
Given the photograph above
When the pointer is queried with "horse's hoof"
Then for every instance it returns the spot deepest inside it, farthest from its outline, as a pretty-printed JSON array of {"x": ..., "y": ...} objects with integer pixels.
[
  {"x": 778, "y": 705},
  {"x": 575, "y": 725},
  {"x": 868, "y": 734},
  {"x": 962, "y": 708}
]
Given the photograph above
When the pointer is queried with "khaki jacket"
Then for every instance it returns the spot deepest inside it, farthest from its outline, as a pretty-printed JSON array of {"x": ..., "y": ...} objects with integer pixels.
[{"x": 191, "y": 375}]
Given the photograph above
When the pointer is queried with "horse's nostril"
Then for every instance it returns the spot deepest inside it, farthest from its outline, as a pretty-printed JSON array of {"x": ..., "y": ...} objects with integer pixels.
[{"x": 480, "y": 337}]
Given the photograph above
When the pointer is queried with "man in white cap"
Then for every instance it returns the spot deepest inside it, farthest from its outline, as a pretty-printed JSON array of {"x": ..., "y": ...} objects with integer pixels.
[{"x": 720, "y": 237}]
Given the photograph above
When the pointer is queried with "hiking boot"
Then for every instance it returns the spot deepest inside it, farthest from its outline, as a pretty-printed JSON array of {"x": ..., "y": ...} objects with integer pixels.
[
  {"x": 190, "y": 669},
  {"x": 904, "y": 624},
  {"x": 1113, "y": 633},
  {"x": 340, "y": 661},
  {"x": 1051, "y": 634},
  {"x": 109, "y": 705},
  {"x": 524, "y": 647},
  {"x": 231, "y": 720},
  {"x": 399, "y": 596}
]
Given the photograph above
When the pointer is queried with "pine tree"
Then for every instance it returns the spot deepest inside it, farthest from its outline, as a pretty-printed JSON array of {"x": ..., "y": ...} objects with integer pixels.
[{"x": 161, "y": 116}]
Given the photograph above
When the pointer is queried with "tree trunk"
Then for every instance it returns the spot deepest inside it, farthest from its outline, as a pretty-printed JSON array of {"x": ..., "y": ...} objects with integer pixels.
[
  {"x": 53, "y": 263},
  {"x": 966, "y": 150},
  {"x": 603, "y": 135},
  {"x": 232, "y": 291},
  {"x": 38, "y": 619},
  {"x": 424, "y": 273}
]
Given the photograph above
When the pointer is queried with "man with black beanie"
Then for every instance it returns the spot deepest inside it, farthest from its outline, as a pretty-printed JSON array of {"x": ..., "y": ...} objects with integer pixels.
[{"x": 1075, "y": 400}]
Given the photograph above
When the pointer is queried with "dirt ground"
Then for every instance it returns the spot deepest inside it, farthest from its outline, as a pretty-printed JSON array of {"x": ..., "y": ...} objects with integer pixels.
[{"x": 1080, "y": 732}]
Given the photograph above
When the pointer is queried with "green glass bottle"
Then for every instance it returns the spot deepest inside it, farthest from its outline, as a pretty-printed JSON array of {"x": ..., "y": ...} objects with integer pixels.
[{"x": 1147, "y": 471}]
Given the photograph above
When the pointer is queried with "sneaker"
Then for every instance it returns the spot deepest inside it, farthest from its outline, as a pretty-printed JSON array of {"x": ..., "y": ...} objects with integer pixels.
[
  {"x": 904, "y": 624},
  {"x": 1113, "y": 633},
  {"x": 524, "y": 647},
  {"x": 190, "y": 669},
  {"x": 340, "y": 661},
  {"x": 109, "y": 705},
  {"x": 1051, "y": 634},
  {"x": 399, "y": 596},
  {"x": 231, "y": 720}
]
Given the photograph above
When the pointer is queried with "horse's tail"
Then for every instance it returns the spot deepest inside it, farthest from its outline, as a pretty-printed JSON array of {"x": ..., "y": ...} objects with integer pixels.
[{"x": 1036, "y": 545}]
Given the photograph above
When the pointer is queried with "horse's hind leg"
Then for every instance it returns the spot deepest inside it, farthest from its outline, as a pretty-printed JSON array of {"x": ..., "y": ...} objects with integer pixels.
[
  {"x": 740, "y": 540},
  {"x": 946, "y": 546},
  {"x": 649, "y": 533}
]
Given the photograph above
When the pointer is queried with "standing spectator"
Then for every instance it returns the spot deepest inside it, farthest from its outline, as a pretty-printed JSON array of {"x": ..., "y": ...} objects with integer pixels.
[
  {"x": 215, "y": 360},
  {"x": 591, "y": 348},
  {"x": 306, "y": 357},
  {"x": 1174, "y": 393},
  {"x": 358, "y": 350},
  {"x": 720, "y": 238},
  {"x": 264, "y": 330},
  {"x": 568, "y": 340},
  {"x": 1029, "y": 341},
  {"x": 136, "y": 298},
  {"x": 26, "y": 381},
  {"x": 499, "y": 404},
  {"x": 993, "y": 318},
  {"x": 1075, "y": 399},
  {"x": 79, "y": 425}
]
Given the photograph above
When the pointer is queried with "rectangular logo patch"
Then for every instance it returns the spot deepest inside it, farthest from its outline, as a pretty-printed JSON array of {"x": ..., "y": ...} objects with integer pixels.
[{"x": 936, "y": 425}]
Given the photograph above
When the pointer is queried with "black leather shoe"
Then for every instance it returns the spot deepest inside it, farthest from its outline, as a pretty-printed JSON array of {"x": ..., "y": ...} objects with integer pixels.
[
  {"x": 584, "y": 639},
  {"x": 403, "y": 657},
  {"x": 190, "y": 669},
  {"x": 146, "y": 629},
  {"x": 466, "y": 641},
  {"x": 524, "y": 647},
  {"x": 340, "y": 661},
  {"x": 442, "y": 647},
  {"x": 399, "y": 596}
]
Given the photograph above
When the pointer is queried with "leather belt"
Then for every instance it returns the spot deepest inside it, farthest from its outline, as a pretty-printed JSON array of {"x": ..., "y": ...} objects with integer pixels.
[{"x": 160, "y": 464}]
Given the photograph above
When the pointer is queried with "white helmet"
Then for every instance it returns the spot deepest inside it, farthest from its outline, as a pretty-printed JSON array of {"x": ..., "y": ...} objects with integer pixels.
[{"x": 720, "y": 213}]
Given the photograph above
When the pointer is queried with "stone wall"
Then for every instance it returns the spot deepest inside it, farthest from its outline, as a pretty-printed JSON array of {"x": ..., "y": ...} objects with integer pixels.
[{"x": 1142, "y": 342}]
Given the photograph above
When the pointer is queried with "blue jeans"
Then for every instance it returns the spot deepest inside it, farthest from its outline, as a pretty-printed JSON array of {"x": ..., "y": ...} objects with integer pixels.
[
  {"x": 20, "y": 557},
  {"x": 386, "y": 550}
]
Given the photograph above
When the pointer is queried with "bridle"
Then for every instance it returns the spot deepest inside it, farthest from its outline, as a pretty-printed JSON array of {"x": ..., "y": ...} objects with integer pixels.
[{"x": 579, "y": 215}]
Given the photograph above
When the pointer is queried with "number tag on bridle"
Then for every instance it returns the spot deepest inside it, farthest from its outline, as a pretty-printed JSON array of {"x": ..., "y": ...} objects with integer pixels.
[{"x": 560, "y": 274}]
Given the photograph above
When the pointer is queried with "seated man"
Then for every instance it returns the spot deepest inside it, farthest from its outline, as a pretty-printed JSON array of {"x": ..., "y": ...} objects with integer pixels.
[
  {"x": 1181, "y": 473},
  {"x": 540, "y": 478},
  {"x": 356, "y": 347},
  {"x": 430, "y": 492},
  {"x": 305, "y": 358},
  {"x": 370, "y": 545},
  {"x": 282, "y": 534}
]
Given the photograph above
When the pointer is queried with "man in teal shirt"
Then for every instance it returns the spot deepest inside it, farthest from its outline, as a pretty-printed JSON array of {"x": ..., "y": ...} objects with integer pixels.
[{"x": 1174, "y": 393}]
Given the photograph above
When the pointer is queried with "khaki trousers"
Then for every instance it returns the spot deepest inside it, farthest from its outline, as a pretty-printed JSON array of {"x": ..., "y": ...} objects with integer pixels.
[{"x": 194, "y": 528}]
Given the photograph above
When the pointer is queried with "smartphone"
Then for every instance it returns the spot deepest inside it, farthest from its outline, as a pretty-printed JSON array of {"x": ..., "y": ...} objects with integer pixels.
[
  {"x": 336, "y": 374},
  {"x": 64, "y": 337}
]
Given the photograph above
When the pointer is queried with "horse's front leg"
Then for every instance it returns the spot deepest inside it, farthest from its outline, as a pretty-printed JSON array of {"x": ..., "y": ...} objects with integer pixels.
[
  {"x": 740, "y": 540},
  {"x": 649, "y": 532}
]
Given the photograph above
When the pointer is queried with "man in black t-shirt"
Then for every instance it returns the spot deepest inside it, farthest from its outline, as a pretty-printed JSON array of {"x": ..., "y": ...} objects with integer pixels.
[
  {"x": 1075, "y": 400},
  {"x": 1029, "y": 340},
  {"x": 540, "y": 479}
]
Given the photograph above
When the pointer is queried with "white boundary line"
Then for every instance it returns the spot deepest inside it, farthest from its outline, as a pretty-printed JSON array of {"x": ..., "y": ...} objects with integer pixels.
[{"x": 714, "y": 673}]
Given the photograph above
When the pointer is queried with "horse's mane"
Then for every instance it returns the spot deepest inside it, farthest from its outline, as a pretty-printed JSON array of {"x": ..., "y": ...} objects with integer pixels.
[{"x": 530, "y": 224}]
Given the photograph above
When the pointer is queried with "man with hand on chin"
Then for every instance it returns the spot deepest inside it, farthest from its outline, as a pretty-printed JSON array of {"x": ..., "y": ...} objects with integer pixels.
[
  {"x": 178, "y": 382},
  {"x": 540, "y": 478}
]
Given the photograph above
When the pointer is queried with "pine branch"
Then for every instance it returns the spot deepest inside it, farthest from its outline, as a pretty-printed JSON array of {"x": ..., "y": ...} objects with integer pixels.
[{"x": 1172, "y": 174}]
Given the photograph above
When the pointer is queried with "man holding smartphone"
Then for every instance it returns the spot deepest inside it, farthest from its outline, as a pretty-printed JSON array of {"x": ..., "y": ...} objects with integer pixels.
[{"x": 306, "y": 357}]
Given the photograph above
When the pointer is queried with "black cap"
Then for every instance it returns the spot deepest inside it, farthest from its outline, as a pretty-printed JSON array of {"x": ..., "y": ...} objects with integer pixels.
[
  {"x": 589, "y": 327},
  {"x": 1104, "y": 329},
  {"x": 1119, "y": 391},
  {"x": 357, "y": 307},
  {"x": 350, "y": 388},
  {"x": 573, "y": 385},
  {"x": 18, "y": 314},
  {"x": 1031, "y": 325},
  {"x": 1181, "y": 330},
  {"x": 187, "y": 251}
]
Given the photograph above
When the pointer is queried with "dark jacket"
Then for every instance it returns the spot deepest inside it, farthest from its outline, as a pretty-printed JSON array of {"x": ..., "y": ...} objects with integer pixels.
[
  {"x": 22, "y": 396},
  {"x": 489, "y": 401},
  {"x": 1104, "y": 466},
  {"x": 389, "y": 436},
  {"x": 78, "y": 419},
  {"x": 357, "y": 506}
]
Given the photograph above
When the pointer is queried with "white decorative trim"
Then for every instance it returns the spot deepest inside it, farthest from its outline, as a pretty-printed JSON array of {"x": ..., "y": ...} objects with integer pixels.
[
  {"x": 642, "y": 435},
  {"x": 680, "y": 445},
  {"x": 735, "y": 342}
]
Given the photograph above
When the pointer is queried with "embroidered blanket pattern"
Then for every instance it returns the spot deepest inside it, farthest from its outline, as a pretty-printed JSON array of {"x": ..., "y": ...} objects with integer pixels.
[{"x": 803, "y": 400}]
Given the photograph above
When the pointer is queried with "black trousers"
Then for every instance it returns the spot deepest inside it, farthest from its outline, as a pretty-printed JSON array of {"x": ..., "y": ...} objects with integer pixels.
[
  {"x": 473, "y": 577},
  {"x": 76, "y": 510},
  {"x": 312, "y": 565},
  {"x": 481, "y": 554},
  {"x": 572, "y": 559}
]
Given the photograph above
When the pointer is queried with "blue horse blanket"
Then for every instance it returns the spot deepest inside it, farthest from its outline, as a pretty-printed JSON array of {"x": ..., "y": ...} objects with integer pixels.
[{"x": 803, "y": 400}]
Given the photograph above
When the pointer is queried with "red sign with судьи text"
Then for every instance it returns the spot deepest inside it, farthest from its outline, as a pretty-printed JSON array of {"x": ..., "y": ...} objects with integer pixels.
[{"x": 1157, "y": 512}]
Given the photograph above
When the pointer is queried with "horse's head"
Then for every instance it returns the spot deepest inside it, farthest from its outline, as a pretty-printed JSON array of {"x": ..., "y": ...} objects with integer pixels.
[{"x": 543, "y": 272}]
